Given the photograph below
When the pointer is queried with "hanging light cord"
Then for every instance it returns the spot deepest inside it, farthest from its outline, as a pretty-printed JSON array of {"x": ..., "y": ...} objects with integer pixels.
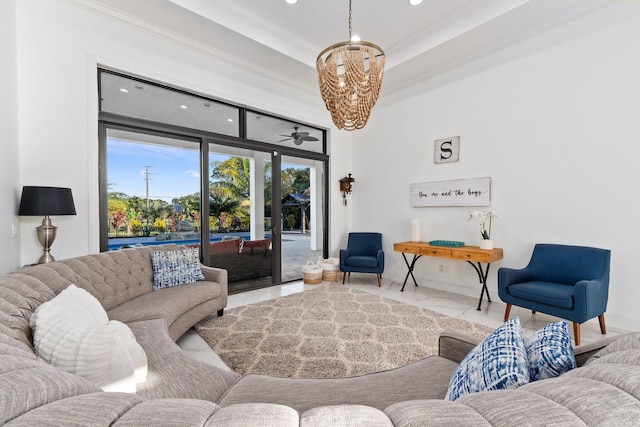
[{"x": 349, "y": 20}]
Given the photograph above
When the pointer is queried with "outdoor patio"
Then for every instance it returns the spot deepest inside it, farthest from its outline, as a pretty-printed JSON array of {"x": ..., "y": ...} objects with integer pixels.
[{"x": 295, "y": 253}]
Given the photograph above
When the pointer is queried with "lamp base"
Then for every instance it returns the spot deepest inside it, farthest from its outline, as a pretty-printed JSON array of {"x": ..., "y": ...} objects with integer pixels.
[
  {"x": 46, "y": 257},
  {"x": 46, "y": 235}
]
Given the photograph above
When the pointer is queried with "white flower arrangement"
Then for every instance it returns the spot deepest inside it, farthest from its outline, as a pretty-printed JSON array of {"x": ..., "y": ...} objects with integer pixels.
[{"x": 485, "y": 221}]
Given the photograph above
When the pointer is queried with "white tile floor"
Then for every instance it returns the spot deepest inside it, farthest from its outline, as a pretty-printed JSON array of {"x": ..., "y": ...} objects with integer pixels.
[{"x": 440, "y": 301}]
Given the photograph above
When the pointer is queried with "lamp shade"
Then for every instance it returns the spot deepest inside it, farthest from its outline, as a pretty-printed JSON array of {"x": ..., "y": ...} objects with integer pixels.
[{"x": 41, "y": 201}]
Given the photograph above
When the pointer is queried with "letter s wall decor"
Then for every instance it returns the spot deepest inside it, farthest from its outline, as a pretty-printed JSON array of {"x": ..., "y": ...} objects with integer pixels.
[{"x": 447, "y": 150}]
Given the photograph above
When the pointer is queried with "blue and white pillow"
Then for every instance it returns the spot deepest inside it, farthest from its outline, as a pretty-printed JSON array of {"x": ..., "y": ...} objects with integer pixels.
[
  {"x": 498, "y": 362},
  {"x": 550, "y": 352},
  {"x": 173, "y": 268}
]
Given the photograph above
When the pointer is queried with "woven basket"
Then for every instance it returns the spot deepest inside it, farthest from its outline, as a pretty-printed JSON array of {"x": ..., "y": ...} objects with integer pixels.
[
  {"x": 311, "y": 273},
  {"x": 331, "y": 270},
  {"x": 331, "y": 276}
]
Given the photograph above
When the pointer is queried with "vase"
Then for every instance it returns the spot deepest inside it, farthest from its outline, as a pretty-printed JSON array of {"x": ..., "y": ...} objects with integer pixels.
[{"x": 486, "y": 244}]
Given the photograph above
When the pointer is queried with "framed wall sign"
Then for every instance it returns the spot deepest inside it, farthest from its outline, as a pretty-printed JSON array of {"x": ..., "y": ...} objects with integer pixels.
[
  {"x": 459, "y": 192},
  {"x": 447, "y": 150}
]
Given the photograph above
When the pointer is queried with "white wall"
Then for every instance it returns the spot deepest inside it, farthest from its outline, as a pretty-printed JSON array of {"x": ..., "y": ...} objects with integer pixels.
[
  {"x": 554, "y": 123},
  {"x": 340, "y": 165},
  {"x": 60, "y": 46},
  {"x": 9, "y": 180}
]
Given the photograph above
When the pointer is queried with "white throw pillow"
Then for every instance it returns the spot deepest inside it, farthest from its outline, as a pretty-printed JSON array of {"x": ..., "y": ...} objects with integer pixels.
[
  {"x": 73, "y": 332},
  {"x": 138, "y": 356},
  {"x": 77, "y": 302}
]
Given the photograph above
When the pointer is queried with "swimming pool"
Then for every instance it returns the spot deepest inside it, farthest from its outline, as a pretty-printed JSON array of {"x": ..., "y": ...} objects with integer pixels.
[{"x": 115, "y": 244}]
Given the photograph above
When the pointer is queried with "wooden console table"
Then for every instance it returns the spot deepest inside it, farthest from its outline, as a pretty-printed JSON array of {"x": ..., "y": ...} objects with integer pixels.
[{"x": 472, "y": 254}]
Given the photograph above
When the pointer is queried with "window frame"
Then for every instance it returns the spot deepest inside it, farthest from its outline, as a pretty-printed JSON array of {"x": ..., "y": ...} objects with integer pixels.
[{"x": 110, "y": 120}]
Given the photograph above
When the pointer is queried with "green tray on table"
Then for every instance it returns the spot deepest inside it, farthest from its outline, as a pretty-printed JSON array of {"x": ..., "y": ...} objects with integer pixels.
[{"x": 448, "y": 243}]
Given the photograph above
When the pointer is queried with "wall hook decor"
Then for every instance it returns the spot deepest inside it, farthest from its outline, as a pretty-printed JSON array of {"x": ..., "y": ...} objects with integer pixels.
[{"x": 345, "y": 187}]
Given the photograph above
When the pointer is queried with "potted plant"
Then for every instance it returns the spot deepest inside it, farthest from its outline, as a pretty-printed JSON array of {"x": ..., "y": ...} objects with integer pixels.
[{"x": 486, "y": 218}]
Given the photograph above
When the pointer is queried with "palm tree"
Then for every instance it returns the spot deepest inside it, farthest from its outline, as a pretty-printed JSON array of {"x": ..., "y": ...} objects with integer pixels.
[
  {"x": 160, "y": 209},
  {"x": 230, "y": 192},
  {"x": 232, "y": 177},
  {"x": 223, "y": 208},
  {"x": 222, "y": 203}
]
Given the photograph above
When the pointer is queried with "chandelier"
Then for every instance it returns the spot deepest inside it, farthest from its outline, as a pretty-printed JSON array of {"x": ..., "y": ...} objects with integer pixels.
[{"x": 350, "y": 76}]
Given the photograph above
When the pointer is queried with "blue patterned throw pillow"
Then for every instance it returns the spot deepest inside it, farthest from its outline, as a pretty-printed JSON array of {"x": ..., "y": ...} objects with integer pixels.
[
  {"x": 550, "y": 352},
  {"x": 498, "y": 362},
  {"x": 173, "y": 268}
]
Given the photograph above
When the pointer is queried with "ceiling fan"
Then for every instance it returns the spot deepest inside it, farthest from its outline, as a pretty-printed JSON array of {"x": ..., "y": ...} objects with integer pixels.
[{"x": 298, "y": 137}]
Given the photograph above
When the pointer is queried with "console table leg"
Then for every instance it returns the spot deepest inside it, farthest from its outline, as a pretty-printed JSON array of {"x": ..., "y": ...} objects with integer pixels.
[
  {"x": 410, "y": 268},
  {"x": 482, "y": 276}
]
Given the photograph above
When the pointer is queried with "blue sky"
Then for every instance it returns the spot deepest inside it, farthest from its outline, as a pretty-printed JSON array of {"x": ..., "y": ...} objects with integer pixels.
[{"x": 173, "y": 172}]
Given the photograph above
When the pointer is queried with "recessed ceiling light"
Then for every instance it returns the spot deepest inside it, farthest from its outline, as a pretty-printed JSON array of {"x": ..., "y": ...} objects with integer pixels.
[
  {"x": 415, "y": 2},
  {"x": 123, "y": 90},
  {"x": 184, "y": 107},
  {"x": 230, "y": 120},
  {"x": 206, "y": 104},
  {"x": 291, "y": 1}
]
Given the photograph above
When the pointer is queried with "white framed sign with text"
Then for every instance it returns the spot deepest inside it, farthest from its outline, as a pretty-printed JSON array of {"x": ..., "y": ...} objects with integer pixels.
[{"x": 458, "y": 192}]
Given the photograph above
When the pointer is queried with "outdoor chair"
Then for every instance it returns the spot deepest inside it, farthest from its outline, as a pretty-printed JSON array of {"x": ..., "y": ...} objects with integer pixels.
[
  {"x": 363, "y": 255},
  {"x": 570, "y": 282}
]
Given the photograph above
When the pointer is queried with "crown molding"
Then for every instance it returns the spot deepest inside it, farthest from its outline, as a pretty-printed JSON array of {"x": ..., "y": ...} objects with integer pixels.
[
  {"x": 253, "y": 26},
  {"x": 504, "y": 43},
  {"x": 120, "y": 17},
  {"x": 481, "y": 13}
]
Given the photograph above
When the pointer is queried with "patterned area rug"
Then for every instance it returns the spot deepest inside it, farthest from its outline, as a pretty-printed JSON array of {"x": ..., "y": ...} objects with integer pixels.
[{"x": 327, "y": 332}]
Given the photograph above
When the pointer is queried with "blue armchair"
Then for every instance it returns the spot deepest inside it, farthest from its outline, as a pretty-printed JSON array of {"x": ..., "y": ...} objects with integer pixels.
[
  {"x": 363, "y": 255},
  {"x": 570, "y": 282}
]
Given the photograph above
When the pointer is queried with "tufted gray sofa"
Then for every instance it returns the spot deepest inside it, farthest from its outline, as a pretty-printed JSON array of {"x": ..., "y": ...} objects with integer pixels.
[{"x": 182, "y": 391}]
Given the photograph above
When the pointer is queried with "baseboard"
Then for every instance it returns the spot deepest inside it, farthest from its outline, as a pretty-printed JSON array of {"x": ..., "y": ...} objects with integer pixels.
[{"x": 614, "y": 322}]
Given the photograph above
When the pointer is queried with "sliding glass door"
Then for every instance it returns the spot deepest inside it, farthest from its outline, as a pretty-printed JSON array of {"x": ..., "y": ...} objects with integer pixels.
[
  {"x": 264, "y": 225},
  {"x": 260, "y": 226},
  {"x": 301, "y": 214},
  {"x": 239, "y": 215},
  {"x": 247, "y": 188},
  {"x": 153, "y": 189}
]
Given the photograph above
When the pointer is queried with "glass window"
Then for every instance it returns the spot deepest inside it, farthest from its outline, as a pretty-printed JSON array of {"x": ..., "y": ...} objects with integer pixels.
[
  {"x": 144, "y": 100},
  {"x": 153, "y": 180},
  {"x": 302, "y": 210},
  {"x": 153, "y": 188},
  {"x": 264, "y": 128},
  {"x": 240, "y": 240}
]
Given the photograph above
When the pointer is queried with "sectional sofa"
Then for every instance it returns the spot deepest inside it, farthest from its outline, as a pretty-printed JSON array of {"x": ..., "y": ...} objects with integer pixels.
[{"x": 179, "y": 390}]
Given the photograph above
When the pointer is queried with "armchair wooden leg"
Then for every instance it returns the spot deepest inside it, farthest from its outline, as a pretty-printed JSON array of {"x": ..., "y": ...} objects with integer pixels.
[
  {"x": 379, "y": 278},
  {"x": 344, "y": 277},
  {"x": 603, "y": 328},
  {"x": 506, "y": 312},
  {"x": 576, "y": 332}
]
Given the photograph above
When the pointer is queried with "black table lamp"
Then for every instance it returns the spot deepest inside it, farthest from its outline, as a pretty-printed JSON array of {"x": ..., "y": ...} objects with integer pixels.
[{"x": 45, "y": 201}]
